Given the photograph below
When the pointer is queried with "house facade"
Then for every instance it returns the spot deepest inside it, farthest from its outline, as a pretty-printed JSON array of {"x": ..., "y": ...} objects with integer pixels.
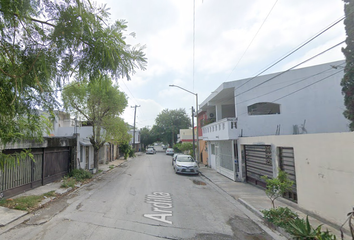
[
  {"x": 137, "y": 144},
  {"x": 300, "y": 101},
  {"x": 64, "y": 126},
  {"x": 185, "y": 135}
]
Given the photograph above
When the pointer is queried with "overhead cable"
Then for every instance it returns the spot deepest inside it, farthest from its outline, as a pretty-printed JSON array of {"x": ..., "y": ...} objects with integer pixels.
[
  {"x": 296, "y": 49},
  {"x": 254, "y": 37},
  {"x": 336, "y": 45}
]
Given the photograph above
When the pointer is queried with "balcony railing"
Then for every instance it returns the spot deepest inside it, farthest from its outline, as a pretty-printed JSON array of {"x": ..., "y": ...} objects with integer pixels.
[
  {"x": 205, "y": 122},
  {"x": 225, "y": 129}
]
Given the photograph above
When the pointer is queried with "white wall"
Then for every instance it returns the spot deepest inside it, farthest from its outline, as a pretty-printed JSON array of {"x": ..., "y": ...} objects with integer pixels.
[
  {"x": 324, "y": 165},
  {"x": 321, "y": 104}
]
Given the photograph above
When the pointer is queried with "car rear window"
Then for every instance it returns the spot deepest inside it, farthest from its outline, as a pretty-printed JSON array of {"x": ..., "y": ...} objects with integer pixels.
[{"x": 184, "y": 158}]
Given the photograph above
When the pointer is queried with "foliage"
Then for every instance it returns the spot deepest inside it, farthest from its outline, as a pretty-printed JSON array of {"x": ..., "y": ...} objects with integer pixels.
[
  {"x": 80, "y": 174},
  {"x": 146, "y": 136},
  {"x": 43, "y": 44},
  {"x": 280, "y": 216},
  {"x": 176, "y": 147},
  {"x": 347, "y": 82},
  {"x": 302, "y": 229},
  {"x": 131, "y": 153},
  {"x": 100, "y": 103},
  {"x": 25, "y": 203},
  {"x": 276, "y": 187},
  {"x": 186, "y": 147},
  {"x": 126, "y": 150},
  {"x": 11, "y": 160},
  {"x": 168, "y": 123},
  {"x": 68, "y": 182}
]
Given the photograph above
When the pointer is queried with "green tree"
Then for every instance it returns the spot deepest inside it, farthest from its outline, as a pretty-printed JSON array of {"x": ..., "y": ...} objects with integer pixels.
[
  {"x": 277, "y": 187},
  {"x": 168, "y": 123},
  {"x": 100, "y": 103},
  {"x": 348, "y": 79},
  {"x": 186, "y": 147},
  {"x": 146, "y": 136},
  {"x": 45, "y": 43}
]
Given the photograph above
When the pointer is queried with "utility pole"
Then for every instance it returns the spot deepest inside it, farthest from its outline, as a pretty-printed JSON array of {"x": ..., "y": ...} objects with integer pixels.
[
  {"x": 134, "y": 124},
  {"x": 194, "y": 151}
]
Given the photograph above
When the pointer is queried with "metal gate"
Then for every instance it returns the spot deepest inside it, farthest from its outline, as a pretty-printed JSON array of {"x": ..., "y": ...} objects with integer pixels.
[
  {"x": 258, "y": 161},
  {"x": 56, "y": 164},
  {"x": 48, "y": 165},
  {"x": 287, "y": 164}
]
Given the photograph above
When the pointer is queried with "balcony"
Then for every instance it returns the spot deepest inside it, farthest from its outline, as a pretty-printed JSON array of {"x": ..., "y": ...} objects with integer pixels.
[{"x": 225, "y": 129}]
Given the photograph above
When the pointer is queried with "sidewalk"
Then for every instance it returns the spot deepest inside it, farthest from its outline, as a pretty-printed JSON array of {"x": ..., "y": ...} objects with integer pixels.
[
  {"x": 10, "y": 215},
  {"x": 255, "y": 198}
]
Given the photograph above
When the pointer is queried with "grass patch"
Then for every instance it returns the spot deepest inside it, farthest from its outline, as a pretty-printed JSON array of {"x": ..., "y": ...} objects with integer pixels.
[
  {"x": 68, "y": 182},
  {"x": 80, "y": 174},
  {"x": 74, "y": 177},
  {"x": 111, "y": 166},
  {"x": 25, "y": 203}
]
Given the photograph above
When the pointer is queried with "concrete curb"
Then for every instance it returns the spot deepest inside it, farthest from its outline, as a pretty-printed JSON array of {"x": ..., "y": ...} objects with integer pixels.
[{"x": 251, "y": 208}]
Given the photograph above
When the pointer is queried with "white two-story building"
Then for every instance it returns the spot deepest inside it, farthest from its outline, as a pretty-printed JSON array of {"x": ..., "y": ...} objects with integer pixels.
[{"x": 300, "y": 101}]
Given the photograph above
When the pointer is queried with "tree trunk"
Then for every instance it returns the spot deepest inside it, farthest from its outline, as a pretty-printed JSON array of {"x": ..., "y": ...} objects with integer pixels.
[{"x": 95, "y": 157}]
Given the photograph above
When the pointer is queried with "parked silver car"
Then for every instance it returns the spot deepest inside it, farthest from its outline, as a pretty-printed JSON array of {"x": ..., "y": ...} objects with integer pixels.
[
  {"x": 150, "y": 150},
  {"x": 185, "y": 164},
  {"x": 170, "y": 151},
  {"x": 174, "y": 157}
]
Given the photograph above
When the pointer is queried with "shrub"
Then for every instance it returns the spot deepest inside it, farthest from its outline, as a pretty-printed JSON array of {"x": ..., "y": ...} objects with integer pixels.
[
  {"x": 276, "y": 187},
  {"x": 176, "y": 147},
  {"x": 280, "y": 216},
  {"x": 80, "y": 174},
  {"x": 302, "y": 229},
  {"x": 68, "y": 182},
  {"x": 131, "y": 153}
]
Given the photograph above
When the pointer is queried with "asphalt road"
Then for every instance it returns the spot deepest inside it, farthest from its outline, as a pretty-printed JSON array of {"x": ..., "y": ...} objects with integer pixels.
[{"x": 142, "y": 199}]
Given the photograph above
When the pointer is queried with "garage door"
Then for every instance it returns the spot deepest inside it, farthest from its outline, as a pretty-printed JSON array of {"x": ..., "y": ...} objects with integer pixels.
[{"x": 258, "y": 159}]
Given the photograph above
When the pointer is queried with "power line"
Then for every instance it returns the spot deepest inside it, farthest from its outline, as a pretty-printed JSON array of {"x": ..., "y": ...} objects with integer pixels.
[
  {"x": 307, "y": 86},
  {"x": 303, "y": 79},
  {"x": 300, "y": 89},
  {"x": 254, "y": 37},
  {"x": 296, "y": 49},
  {"x": 336, "y": 45}
]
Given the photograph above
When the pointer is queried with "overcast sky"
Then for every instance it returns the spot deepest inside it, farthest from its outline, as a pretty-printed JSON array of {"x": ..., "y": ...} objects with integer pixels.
[{"x": 224, "y": 30}]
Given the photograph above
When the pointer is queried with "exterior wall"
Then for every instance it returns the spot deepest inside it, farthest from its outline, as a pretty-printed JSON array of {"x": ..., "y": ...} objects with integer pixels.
[
  {"x": 228, "y": 111},
  {"x": 203, "y": 149},
  {"x": 137, "y": 136},
  {"x": 186, "y": 135},
  {"x": 324, "y": 170},
  {"x": 203, "y": 116},
  {"x": 82, "y": 156},
  {"x": 321, "y": 104}
]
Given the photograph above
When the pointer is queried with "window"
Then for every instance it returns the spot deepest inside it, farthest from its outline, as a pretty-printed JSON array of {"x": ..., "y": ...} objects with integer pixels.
[
  {"x": 213, "y": 149},
  {"x": 264, "y": 108}
]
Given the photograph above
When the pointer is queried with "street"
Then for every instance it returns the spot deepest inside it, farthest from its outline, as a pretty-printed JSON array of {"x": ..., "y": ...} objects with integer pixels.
[{"x": 143, "y": 199}]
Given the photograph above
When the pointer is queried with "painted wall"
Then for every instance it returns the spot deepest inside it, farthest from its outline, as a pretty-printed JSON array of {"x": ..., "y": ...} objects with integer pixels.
[
  {"x": 228, "y": 111},
  {"x": 186, "y": 135},
  {"x": 203, "y": 151},
  {"x": 324, "y": 171},
  {"x": 318, "y": 101}
]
